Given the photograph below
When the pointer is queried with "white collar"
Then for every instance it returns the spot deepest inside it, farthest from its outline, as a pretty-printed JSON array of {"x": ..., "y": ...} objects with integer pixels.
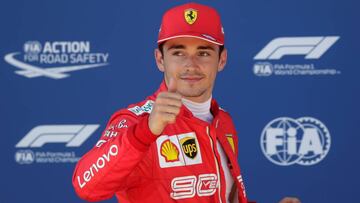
[{"x": 200, "y": 110}]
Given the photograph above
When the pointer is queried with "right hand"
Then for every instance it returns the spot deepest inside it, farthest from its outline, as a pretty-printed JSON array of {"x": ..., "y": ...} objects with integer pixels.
[{"x": 166, "y": 108}]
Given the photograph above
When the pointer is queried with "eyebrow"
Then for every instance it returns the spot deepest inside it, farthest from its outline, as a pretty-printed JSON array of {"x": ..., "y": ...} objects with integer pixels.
[
  {"x": 176, "y": 46},
  {"x": 179, "y": 46},
  {"x": 206, "y": 47}
]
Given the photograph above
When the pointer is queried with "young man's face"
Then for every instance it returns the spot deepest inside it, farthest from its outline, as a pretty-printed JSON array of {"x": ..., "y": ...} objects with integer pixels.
[{"x": 192, "y": 64}]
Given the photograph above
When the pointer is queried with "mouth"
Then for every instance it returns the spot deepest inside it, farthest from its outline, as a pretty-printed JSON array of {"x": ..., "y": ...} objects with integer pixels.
[{"x": 191, "y": 79}]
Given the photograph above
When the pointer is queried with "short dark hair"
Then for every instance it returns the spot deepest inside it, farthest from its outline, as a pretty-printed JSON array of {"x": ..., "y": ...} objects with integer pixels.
[{"x": 161, "y": 48}]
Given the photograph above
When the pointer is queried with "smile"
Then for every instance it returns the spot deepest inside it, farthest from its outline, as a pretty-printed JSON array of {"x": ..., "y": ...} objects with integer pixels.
[{"x": 191, "y": 79}]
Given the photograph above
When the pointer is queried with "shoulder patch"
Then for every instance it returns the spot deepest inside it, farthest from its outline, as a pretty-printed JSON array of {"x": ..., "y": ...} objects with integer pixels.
[
  {"x": 222, "y": 109},
  {"x": 146, "y": 108}
]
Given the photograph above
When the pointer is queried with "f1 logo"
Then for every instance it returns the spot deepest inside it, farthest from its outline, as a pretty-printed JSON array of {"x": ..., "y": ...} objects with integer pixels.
[
  {"x": 72, "y": 135},
  {"x": 311, "y": 47}
]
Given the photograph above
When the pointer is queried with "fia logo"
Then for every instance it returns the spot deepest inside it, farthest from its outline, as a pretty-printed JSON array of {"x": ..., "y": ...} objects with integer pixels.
[
  {"x": 71, "y": 135},
  {"x": 263, "y": 69},
  {"x": 66, "y": 56},
  {"x": 270, "y": 59},
  {"x": 286, "y": 141},
  {"x": 24, "y": 157}
]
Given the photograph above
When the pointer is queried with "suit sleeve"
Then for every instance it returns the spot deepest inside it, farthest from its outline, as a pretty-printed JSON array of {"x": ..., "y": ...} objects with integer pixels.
[{"x": 104, "y": 169}]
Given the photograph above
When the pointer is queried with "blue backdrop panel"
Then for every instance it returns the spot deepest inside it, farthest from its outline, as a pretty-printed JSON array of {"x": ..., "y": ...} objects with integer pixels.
[{"x": 291, "y": 84}]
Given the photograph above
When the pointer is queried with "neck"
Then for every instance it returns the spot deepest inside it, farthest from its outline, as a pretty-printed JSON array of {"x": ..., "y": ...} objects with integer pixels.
[{"x": 199, "y": 110}]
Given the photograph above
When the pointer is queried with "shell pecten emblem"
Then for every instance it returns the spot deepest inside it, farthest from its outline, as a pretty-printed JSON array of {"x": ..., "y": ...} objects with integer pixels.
[{"x": 169, "y": 151}]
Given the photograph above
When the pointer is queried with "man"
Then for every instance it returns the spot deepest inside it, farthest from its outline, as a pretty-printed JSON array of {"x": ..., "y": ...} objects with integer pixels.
[{"x": 178, "y": 144}]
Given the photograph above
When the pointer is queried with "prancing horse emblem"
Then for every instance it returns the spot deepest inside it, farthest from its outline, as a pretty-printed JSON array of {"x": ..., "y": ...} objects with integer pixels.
[{"x": 190, "y": 15}]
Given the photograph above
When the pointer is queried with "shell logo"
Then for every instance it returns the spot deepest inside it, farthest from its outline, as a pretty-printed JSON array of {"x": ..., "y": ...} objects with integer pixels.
[{"x": 169, "y": 151}]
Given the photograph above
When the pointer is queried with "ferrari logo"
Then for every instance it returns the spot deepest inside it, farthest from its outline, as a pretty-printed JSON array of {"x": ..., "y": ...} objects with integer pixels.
[
  {"x": 190, "y": 15},
  {"x": 231, "y": 141}
]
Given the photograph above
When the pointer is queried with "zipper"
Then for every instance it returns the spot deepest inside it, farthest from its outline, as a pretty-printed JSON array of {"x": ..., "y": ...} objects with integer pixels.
[{"x": 216, "y": 161}]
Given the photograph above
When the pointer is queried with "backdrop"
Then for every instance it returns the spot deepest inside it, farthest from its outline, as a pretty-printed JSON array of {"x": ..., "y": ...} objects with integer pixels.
[{"x": 291, "y": 84}]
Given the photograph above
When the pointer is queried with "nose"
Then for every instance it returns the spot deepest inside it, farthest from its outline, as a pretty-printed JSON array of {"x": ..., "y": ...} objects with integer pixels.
[{"x": 191, "y": 63}]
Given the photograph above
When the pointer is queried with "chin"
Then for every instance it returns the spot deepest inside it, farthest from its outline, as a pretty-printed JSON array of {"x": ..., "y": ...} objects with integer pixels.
[{"x": 191, "y": 92}]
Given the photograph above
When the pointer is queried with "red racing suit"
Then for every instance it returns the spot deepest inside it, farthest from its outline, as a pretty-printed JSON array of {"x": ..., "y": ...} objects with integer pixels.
[{"x": 180, "y": 165}]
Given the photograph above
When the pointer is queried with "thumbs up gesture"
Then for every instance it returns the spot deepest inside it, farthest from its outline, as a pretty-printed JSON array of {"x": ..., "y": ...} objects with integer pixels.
[{"x": 166, "y": 108}]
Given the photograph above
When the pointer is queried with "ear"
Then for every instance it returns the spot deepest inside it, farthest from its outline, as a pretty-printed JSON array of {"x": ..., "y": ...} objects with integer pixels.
[
  {"x": 222, "y": 60},
  {"x": 159, "y": 60}
]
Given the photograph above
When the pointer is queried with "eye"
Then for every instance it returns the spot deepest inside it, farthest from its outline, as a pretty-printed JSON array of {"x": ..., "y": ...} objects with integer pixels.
[
  {"x": 204, "y": 53},
  {"x": 178, "y": 53}
]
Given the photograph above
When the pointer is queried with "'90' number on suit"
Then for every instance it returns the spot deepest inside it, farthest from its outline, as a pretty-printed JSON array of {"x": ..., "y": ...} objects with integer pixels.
[{"x": 189, "y": 186}]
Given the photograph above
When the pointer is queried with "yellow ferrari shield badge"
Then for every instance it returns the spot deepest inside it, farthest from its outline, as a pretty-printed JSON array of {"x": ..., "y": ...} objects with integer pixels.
[
  {"x": 190, "y": 15},
  {"x": 231, "y": 141}
]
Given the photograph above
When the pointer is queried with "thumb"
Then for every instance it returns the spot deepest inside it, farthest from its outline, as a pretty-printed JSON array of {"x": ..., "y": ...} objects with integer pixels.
[{"x": 172, "y": 85}]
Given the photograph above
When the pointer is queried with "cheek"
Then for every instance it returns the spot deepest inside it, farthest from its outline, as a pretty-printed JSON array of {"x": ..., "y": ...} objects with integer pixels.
[
  {"x": 178, "y": 64},
  {"x": 210, "y": 69},
  {"x": 171, "y": 68},
  {"x": 212, "y": 75},
  {"x": 209, "y": 63}
]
